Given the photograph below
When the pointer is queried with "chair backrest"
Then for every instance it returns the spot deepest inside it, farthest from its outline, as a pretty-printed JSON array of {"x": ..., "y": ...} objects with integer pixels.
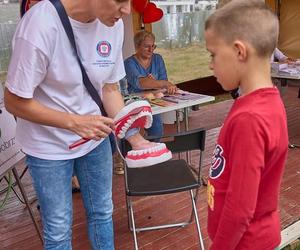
[
  {"x": 187, "y": 141},
  {"x": 178, "y": 142}
]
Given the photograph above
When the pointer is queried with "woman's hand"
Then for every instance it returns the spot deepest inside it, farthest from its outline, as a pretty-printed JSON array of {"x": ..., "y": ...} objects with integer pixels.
[
  {"x": 288, "y": 60},
  {"x": 93, "y": 127},
  {"x": 86, "y": 126},
  {"x": 171, "y": 89}
]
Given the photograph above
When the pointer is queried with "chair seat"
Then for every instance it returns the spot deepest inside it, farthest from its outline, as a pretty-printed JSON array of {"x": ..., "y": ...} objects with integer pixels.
[{"x": 163, "y": 178}]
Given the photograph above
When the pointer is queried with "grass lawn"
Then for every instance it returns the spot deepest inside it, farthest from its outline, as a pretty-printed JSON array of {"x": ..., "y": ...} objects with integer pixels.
[
  {"x": 186, "y": 63},
  {"x": 295, "y": 246},
  {"x": 2, "y": 77}
]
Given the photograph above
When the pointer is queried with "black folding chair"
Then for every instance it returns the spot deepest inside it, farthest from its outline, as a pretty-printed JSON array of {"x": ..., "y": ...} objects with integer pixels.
[{"x": 172, "y": 176}]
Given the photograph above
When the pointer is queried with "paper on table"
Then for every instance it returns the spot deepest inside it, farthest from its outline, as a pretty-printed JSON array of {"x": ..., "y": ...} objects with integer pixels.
[
  {"x": 288, "y": 69},
  {"x": 161, "y": 102},
  {"x": 183, "y": 96}
]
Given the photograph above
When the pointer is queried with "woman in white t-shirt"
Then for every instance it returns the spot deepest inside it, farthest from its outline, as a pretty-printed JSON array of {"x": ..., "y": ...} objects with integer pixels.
[{"x": 44, "y": 89}]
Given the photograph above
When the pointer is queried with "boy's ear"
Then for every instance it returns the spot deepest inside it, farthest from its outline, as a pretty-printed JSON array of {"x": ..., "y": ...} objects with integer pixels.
[{"x": 241, "y": 50}]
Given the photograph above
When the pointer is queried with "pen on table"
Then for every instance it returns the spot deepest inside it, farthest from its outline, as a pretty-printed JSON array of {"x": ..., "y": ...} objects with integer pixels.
[{"x": 169, "y": 100}]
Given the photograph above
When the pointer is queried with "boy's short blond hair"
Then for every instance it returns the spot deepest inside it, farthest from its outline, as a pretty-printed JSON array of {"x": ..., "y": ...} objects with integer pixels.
[
  {"x": 248, "y": 20},
  {"x": 140, "y": 36}
]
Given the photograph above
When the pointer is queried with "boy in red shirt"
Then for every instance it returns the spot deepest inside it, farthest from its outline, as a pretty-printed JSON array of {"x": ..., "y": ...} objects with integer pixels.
[{"x": 249, "y": 158}]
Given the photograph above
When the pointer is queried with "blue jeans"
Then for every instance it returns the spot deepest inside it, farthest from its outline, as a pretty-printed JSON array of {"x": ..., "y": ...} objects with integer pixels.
[
  {"x": 52, "y": 182},
  {"x": 157, "y": 128}
]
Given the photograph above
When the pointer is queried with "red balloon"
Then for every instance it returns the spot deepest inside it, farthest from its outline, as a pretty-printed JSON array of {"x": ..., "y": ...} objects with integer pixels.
[
  {"x": 139, "y": 5},
  {"x": 152, "y": 13}
]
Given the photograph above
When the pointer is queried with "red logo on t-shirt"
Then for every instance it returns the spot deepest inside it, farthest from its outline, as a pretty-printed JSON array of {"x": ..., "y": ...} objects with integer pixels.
[{"x": 104, "y": 48}]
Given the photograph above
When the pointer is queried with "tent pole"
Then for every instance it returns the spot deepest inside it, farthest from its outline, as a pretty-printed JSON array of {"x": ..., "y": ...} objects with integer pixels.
[{"x": 277, "y": 8}]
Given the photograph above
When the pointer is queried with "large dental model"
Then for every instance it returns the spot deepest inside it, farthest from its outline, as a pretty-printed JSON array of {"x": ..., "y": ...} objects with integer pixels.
[
  {"x": 136, "y": 114},
  {"x": 147, "y": 157}
]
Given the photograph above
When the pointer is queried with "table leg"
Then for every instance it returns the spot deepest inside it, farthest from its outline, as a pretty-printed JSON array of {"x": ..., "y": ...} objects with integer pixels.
[
  {"x": 283, "y": 86},
  {"x": 186, "y": 119},
  {"x": 283, "y": 82},
  {"x": 186, "y": 125},
  {"x": 178, "y": 126},
  {"x": 178, "y": 120}
]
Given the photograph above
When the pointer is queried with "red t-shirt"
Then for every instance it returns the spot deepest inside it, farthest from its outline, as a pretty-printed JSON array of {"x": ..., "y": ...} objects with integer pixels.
[{"x": 246, "y": 171}]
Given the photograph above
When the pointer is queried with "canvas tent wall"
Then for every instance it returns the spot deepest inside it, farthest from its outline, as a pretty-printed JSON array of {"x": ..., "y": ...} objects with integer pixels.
[{"x": 288, "y": 12}]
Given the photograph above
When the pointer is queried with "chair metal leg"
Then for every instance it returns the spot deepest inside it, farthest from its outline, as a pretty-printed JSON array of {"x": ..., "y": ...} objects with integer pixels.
[
  {"x": 129, "y": 223},
  {"x": 292, "y": 145},
  {"x": 178, "y": 126},
  {"x": 194, "y": 197},
  {"x": 135, "y": 230},
  {"x": 133, "y": 225},
  {"x": 197, "y": 220},
  {"x": 22, "y": 190}
]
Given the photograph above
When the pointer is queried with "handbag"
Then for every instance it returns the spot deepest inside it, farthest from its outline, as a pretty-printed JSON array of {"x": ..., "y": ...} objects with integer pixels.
[{"x": 89, "y": 86}]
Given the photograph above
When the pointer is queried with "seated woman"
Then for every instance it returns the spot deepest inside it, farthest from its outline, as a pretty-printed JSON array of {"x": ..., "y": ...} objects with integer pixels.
[{"x": 146, "y": 70}]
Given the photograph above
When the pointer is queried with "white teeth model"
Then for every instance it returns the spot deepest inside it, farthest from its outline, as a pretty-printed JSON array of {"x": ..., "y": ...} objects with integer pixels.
[
  {"x": 130, "y": 114},
  {"x": 124, "y": 120},
  {"x": 147, "y": 157}
]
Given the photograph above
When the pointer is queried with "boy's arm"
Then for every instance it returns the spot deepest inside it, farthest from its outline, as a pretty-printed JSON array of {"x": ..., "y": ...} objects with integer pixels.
[{"x": 246, "y": 161}]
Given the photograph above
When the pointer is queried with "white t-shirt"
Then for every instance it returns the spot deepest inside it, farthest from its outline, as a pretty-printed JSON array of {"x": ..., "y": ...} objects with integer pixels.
[{"x": 43, "y": 66}]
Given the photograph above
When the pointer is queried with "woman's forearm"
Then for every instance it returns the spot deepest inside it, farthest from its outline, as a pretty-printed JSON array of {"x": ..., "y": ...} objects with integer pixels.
[
  {"x": 112, "y": 99},
  {"x": 149, "y": 83}
]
